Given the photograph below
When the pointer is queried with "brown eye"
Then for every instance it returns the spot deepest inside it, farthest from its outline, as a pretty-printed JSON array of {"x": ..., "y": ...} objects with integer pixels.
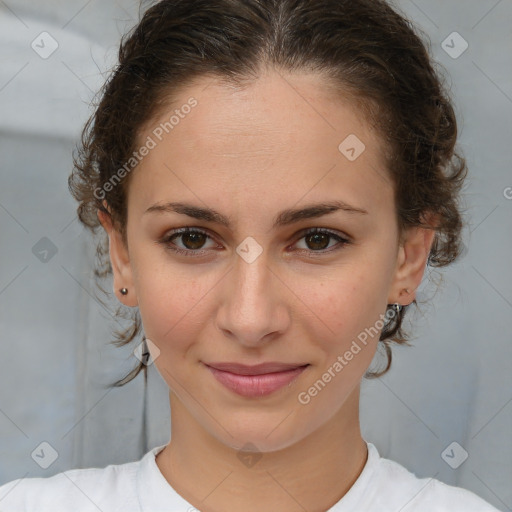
[
  {"x": 317, "y": 240},
  {"x": 192, "y": 240}
]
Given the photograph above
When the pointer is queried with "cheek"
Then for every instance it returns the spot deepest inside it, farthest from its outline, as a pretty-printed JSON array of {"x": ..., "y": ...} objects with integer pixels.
[
  {"x": 345, "y": 300},
  {"x": 172, "y": 305},
  {"x": 345, "y": 321},
  {"x": 345, "y": 332}
]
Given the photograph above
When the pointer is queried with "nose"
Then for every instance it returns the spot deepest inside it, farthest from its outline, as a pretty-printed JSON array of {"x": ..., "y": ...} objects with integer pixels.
[{"x": 253, "y": 308}]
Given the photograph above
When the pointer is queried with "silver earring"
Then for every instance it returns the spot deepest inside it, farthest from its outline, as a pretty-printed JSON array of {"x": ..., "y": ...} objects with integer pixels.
[
  {"x": 398, "y": 307},
  {"x": 123, "y": 291}
]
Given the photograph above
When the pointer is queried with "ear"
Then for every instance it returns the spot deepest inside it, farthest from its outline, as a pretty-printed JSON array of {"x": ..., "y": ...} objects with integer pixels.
[
  {"x": 120, "y": 260},
  {"x": 411, "y": 262}
]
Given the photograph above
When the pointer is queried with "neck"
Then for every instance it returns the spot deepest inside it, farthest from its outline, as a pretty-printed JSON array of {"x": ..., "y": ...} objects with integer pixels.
[{"x": 313, "y": 473}]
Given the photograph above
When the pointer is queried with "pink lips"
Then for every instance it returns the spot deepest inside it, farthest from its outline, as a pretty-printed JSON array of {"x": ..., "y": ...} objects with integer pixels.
[{"x": 255, "y": 381}]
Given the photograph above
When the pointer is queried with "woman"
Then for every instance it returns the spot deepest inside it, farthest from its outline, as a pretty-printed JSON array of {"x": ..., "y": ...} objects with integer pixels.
[{"x": 273, "y": 177}]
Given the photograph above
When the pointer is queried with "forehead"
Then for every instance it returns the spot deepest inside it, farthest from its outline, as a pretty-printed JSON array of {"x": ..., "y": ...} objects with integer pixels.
[{"x": 281, "y": 135}]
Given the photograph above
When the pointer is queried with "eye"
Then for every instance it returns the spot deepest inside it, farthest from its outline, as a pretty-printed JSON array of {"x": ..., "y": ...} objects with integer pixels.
[
  {"x": 316, "y": 238},
  {"x": 193, "y": 240}
]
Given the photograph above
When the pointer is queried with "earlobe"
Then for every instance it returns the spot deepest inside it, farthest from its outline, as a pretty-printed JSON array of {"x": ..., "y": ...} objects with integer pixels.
[
  {"x": 411, "y": 264},
  {"x": 121, "y": 267}
]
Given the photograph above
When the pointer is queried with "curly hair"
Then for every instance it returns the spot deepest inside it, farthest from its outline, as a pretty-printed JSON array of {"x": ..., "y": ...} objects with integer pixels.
[{"x": 367, "y": 49}]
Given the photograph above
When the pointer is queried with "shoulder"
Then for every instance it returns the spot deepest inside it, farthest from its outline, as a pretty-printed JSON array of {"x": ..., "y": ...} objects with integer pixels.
[
  {"x": 108, "y": 489},
  {"x": 403, "y": 489}
]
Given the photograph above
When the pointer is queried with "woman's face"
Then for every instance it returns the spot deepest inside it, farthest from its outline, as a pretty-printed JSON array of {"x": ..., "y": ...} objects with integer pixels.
[{"x": 260, "y": 289}]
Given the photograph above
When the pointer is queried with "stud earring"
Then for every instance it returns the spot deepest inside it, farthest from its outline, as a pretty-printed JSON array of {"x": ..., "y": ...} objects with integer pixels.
[
  {"x": 124, "y": 291},
  {"x": 397, "y": 307}
]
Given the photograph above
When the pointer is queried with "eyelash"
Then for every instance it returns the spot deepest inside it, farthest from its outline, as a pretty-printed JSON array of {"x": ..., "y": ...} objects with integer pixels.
[{"x": 167, "y": 241}]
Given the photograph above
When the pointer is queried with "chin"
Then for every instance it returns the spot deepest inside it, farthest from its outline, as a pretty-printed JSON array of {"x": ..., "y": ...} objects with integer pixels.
[{"x": 270, "y": 436}]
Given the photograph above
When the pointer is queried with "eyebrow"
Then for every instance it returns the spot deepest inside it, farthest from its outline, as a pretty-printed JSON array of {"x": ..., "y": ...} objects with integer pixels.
[{"x": 284, "y": 218}]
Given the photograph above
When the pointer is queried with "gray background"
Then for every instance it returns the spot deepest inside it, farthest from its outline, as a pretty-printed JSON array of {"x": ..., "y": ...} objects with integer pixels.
[{"x": 453, "y": 385}]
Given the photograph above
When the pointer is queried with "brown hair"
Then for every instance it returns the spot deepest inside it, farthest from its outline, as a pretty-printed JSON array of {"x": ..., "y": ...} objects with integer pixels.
[{"x": 368, "y": 50}]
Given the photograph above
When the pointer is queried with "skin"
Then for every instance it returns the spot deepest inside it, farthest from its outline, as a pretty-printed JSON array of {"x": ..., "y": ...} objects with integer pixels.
[{"x": 249, "y": 153}]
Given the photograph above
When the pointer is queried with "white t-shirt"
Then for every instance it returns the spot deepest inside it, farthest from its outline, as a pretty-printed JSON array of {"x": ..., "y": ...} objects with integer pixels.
[{"x": 382, "y": 486}]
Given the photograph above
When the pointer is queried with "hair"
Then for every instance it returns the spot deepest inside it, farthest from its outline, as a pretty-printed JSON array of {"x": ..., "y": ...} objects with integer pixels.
[{"x": 366, "y": 49}]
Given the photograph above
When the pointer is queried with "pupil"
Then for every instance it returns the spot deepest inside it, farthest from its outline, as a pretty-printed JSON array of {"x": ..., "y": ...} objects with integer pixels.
[
  {"x": 316, "y": 237},
  {"x": 188, "y": 236}
]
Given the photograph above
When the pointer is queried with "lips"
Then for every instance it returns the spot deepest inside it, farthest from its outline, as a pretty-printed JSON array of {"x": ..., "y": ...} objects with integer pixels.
[
  {"x": 258, "y": 369},
  {"x": 255, "y": 381}
]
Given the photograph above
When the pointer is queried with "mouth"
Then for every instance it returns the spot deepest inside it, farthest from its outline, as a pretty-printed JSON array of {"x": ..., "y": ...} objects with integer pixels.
[{"x": 255, "y": 381}]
